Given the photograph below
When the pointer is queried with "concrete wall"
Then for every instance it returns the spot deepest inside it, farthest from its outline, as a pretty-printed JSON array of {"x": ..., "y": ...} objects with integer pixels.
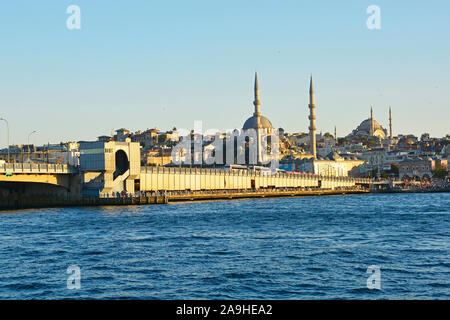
[
  {"x": 176, "y": 179},
  {"x": 15, "y": 195}
]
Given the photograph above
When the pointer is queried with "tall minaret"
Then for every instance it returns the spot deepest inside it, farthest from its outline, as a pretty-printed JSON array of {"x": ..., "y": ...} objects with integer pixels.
[
  {"x": 372, "y": 127},
  {"x": 257, "y": 114},
  {"x": 312, "y": 120},
  {"x": 257, "y": 102},
  {"x": 335, "y": 135},
  {"x": 390, "y": 123}
]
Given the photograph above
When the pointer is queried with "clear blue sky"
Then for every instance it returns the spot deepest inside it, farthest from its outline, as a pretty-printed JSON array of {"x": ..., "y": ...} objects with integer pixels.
[{"x": 143, "y": 64}]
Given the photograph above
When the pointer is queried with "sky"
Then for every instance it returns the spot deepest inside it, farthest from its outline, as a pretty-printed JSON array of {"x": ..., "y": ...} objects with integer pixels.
[{"x": 145, "y": 64}]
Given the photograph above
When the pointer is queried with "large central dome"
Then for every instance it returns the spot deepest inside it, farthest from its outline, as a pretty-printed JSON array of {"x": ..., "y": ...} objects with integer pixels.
[
  {"x": 252, "y": 123},
  {"x": 369, "y": 127},
  {"x": 365, "y": 125}
]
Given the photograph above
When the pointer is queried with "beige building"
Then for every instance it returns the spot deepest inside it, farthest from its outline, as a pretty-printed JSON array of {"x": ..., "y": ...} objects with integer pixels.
[
  {"x": 122, "y": 134},
  {"x": 109, "y": 167},
  {"x": 374, "y": 157},
  {"x": 156, "y": 157},
  {"x": 416, "y": 168},
  {"x": 147, "y": 139},
  {"x": 333, "y": 165}
]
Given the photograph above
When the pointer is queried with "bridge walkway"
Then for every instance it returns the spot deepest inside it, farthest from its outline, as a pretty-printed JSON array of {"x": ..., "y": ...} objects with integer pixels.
[{"x": 36, "y": 168}]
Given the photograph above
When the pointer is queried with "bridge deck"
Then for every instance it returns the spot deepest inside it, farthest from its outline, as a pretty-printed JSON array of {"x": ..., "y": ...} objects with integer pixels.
[{"x": 36, "y": 168}]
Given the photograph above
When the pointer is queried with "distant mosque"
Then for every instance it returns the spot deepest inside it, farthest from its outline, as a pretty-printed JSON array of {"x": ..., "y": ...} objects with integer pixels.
[
  {"x": 259, "y": 123},
  {"x": 265, "y": 130},
  {"x": 371, "y": 128}
]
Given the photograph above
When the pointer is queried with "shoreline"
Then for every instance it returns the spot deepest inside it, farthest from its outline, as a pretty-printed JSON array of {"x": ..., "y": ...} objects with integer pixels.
[
  {"x": 167, "y": 198},
  {"x": 413, "y": 191},
  {"x": 201, "y": 197}
]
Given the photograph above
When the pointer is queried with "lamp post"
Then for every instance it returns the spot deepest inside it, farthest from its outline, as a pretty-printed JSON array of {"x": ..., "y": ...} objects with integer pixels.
[
  {"x": 28, "y": 143},
  {"x": 7, "y": 126}
]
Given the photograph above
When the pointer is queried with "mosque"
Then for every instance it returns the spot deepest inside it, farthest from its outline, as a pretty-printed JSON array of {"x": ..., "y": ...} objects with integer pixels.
[
  {"x": 333, "y": 164},
  {"x": 261, "y": 125},
  {"x": 371, "y": 128}
]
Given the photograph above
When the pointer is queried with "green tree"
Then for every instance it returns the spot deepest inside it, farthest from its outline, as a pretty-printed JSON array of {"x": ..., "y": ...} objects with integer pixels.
[
  {"x": 372, "y": 140},
  {"x": 440, "y": 172}
]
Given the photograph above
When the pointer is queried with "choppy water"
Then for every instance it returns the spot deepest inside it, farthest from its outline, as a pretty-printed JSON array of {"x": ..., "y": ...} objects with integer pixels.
[{"x": 291, "y": 248}]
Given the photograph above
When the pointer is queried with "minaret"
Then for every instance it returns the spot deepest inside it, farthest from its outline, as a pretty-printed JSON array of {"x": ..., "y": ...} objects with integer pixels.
[
  {"x": 257, "y": 114},
  {"x": 335, "y": 135},
  {"x": 257, "y": 102},
  {"x": 390, "y": 123},
  {"x": 372, "y": 129},
  {"x": 312, "y": 120}
]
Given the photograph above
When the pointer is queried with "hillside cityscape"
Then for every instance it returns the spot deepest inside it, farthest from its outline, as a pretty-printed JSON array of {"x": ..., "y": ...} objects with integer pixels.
[
  {"x": 370, "y": 150},
  {"x": 225, "y": 159}
]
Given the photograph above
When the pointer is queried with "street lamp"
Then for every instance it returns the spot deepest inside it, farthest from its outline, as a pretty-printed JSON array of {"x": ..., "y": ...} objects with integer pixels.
[
  {"x": 7, "y": 126},
  {"x": 28, "y": 143}
]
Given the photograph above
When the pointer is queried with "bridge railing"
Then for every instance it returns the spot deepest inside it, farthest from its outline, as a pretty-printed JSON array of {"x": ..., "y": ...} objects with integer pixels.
[{"x": 37, "y": 168}]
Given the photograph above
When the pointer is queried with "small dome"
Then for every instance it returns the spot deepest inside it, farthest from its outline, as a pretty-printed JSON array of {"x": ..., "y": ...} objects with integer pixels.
[{"x": 252, "y": 123}]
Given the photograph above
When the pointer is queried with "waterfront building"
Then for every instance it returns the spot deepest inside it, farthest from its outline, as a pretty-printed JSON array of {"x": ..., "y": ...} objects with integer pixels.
[
  {"x": 156, "y": 157},
  {"x": 109, "y": 167},
  {"x": 416, "y": 168},
  {"x": 333, "y": 165}
]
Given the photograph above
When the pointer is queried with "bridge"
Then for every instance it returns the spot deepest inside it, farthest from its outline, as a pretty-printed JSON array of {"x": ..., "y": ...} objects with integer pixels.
[
  {"x": 196, "y": 179},
  {"x": 37, "y": 168},
  {"x": 55, "y": 174},
  {"x": 25, "y": 185},
  {"x": 33, "y": 185}
]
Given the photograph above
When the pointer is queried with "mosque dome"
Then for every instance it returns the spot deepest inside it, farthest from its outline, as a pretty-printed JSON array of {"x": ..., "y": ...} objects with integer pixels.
[
  {"x": 365, "y": 126},
  {"x": 252, "y": 123},
  {"x": 365, "y": 129}
]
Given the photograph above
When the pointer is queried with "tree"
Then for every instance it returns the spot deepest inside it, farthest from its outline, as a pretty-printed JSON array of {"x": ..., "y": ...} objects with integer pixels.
[
  {"x": 372, "y": 140},
  {"x": 440, "y": 173}
]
